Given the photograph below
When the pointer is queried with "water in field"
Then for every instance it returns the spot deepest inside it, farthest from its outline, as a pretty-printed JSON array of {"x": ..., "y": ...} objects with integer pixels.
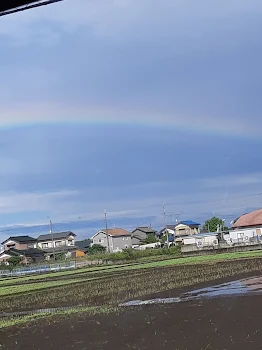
[{"x": 241, "y": 287}]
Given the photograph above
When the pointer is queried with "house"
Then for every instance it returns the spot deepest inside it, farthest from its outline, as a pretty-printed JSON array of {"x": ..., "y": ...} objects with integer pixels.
[
  {"x": 249, "y": 220},
  {"x": 141, "y": 233},
  {"x": 180, "y": 230},
  {"x": 187, "y": 227},
  {"x": 31, "y": 255},
  {"x": 171, "y": 229},
  {"x": 83, "y": 245},
  {"x": 247, "y": 236},
  {"x": 114, "y": 239},
  {"x": 207, "y": 239},
  {"x": 19, "y": 243},
  {"x": 62, "y": 252},
  {"x": 56, "y": 240}
]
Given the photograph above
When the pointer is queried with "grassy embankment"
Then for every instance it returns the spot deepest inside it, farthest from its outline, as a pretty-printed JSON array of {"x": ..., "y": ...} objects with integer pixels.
[{"x": 107, "y": 286}]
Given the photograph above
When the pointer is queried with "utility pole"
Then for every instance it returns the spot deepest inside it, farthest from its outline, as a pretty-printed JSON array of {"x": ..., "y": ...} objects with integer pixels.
[
  {"x": 164, "y": 214},
  {"x": 107, "y": 237},
  {"x": 52, "y": 236}
]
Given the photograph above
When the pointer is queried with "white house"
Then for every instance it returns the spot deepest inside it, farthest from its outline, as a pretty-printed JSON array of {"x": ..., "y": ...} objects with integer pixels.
[
  {"x": 243, "y": 235},
  {"x": 208, "y": 239},
  {"x": 56, "y": 240}
]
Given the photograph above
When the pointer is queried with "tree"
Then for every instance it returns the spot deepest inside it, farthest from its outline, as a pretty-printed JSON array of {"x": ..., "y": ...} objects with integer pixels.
[
  {"x": 14, "y": 261},
  {"x": 151, "y": 238},
  {"x": 211, "y": 225},
  {"x": 96, "y": 248}
]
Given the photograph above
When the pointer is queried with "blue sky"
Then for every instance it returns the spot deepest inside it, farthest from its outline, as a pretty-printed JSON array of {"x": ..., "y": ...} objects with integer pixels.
[{"x": 123, "y": 105}]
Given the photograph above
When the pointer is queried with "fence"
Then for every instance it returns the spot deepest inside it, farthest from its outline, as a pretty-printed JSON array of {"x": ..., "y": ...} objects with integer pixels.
[
  {"x": 222, "y": 247},
  {"x": 37, "y": 269}
]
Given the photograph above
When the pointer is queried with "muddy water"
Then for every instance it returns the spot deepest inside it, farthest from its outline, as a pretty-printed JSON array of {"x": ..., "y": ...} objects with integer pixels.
[{"x": 246, "y": 286}]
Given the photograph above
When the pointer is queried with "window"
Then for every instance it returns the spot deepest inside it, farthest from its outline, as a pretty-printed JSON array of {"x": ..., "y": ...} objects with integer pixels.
[
  {"x": 11, "y": 246},
  {"x": 44, "y": 245},
  {"x": 58, "y": 244},
  {"x": 100, "y": 240}
]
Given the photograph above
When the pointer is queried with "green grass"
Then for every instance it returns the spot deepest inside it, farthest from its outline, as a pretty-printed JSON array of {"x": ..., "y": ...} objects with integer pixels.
[
  {"x": 136, "y": 266},
  {"x": 22, "y": 288},
  {"x": 50, "y": 275},
  {"x": 89, "y": 310}
]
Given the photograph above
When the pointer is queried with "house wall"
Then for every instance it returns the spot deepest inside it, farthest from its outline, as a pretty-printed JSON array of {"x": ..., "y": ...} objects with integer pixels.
[
  {"x": 121, "y": 242},
  {"x": 235, "y": 236},
  {"x": 4, "y": 257},
  {"x": 116, "y": 243},
  {"x": 137, "y": 236},
  {"x": 69, "y": 241},
  {"x": 204, "y": 240},
  {"x": 17, "y": 245},
  {"x": 101, "y": 239},
  {"x": 183, "y": 230}
]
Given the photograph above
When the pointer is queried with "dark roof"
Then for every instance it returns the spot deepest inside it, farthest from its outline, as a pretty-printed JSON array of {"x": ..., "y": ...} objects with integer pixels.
[
  {"x": 58, "y": 235},
  {"x": 170, "y": 227},
  {"x": 63, "y": 249},
  {"x": 145, "y": 229},
  {"x": 20, "y": 239},
  {"x": 26, "y": 252},
  {"x": 84, "y": 245}
]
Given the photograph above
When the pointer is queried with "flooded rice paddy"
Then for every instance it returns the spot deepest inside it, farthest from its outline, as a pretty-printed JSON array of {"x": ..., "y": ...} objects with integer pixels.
[{"x": 246, "y": 286}]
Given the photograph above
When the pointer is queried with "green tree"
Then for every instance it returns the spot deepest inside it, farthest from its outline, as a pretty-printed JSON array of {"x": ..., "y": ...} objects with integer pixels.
[
  {"x": 151, "y": 238},
  {"x": 211, "y": 225},
  {"x": 164, "y": 238},
  {"x": 14, "y": 261},
  {"x": 96, "y": 248}
]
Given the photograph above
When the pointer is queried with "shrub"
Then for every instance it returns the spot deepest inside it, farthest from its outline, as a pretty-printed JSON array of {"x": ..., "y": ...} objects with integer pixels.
[
  {"x": 14, "y": 261},
  {"x": 96, "y": 248}
]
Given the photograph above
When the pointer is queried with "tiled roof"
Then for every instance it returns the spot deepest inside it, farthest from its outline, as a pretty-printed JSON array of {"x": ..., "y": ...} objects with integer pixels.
[
  {"x": 20, "y": 239},
  {"x": 251, "y": 219},
  {"x": 145, "y": 229},
  {"x": 59, "y": 235},
  {"x": 25, "y": 252},
  {"x": 114, "y": 232}
]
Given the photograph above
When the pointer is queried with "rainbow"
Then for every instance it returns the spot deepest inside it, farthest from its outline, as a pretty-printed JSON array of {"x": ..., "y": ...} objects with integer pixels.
[{"x": 28, "y": 115}]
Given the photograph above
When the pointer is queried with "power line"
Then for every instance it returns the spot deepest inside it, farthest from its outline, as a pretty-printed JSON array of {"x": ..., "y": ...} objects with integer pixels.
[{"x": 28, "y": 7}]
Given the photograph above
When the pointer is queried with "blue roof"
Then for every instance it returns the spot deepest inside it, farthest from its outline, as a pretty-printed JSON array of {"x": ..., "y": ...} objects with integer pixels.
[{"x": 189, "y": 223}]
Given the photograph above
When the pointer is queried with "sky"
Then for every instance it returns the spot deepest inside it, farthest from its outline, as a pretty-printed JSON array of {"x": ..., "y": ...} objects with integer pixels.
[{"x": 125, "y": 105}]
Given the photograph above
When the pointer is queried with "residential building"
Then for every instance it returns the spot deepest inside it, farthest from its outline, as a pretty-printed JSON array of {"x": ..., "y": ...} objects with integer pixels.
[
  {"x": 140, "y": 234},
  {"x": 58, "y": 253},
  {"x": 31, "y": 255},
  {"x": 249, "y": 220},
  {"x": 114, "y": 239},
  {"x": 239, "y": 236},
  {"x": 56, "y": 240},
  {"x": 170, "y": 229},
  {"x": 83, "y": 245},
  {"x": 180, "y": 230},
  {"x": 19, "y": 243},
  {"x": 200, "y": 240},
  {"x": 186, "y": 227}
]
